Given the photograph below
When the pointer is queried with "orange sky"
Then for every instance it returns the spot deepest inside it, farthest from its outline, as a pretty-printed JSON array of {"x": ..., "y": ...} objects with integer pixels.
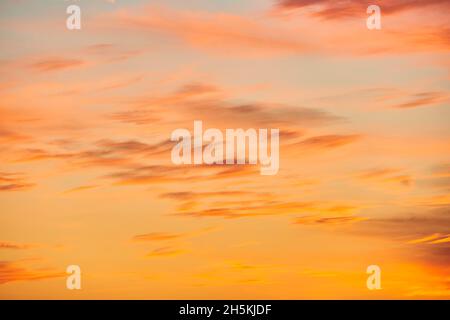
[{"x": 86, "y": 176}]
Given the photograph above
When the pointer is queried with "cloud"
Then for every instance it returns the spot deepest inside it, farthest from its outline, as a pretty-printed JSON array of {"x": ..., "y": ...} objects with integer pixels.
[
  {"x": 256, "y": 114},
  {"x": 441, "y": 170},
  {"x": 80, "y": 188},
  {"x": 195, "y": 101},
  {"x": 55, "y": 64},
  {"x": 134, "y": 146},
  {"x": 423, "y": 232},
  {"x": 337, "y": 214},
  {"x": 186, "y": 93},
  {"x": 423, "y": 99},
  {"x": 312, "y": 220},
  {"x": 377, "y": 173},
  {"x": 109, "y": 52},
  {"x": 148, "y": 174},
  {"x": 156, "y": 236},
  {"x": 249, "y": 204},
  {"x": 235, "y": 34},
  {"x": 14, "y": 182},
  {"x": 21, "y": 271},
  {"x": 118, "y": 84},
  {"x": 172, "y": 173},
  {"x": 100, "y": 48},
  {"x": 419, "y": 222},
  {"x": 435, "y": 238},
  {"x": 444, "y": 239},
  {"x": 432, "y": 201},
  {"x": 83, "y": 57},
  {"x": 437, "y": 178},
  {"x": 105, "y": 152},
  {"x": 332, "y": 9},
  {"x": 165, "y": 252},
  {"x": 139, "y": 117},
  {"x": 196, "y": 89},
  {"x": 189, "y": 195},
  {"x": 268, "y": 34},
  {"x": 329, "y": 141},
  {"x": 247, "y": 211},
  {"x": 169, "y": 237},
  {"x": 437, "y": 291},
  {"x": 405, "y": 180},
  {"x": 7, "y": 136},
  {"x": 386, "y": 175},
  {"x": 16, "y": 246}
]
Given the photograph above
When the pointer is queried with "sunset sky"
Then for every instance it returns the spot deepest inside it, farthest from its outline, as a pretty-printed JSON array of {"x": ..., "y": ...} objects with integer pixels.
[{"x": 86, "y": 176}]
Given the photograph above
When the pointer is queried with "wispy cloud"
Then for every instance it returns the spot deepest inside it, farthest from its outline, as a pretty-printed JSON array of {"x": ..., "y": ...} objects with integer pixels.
[
  {"x": 329, "y": 141},
  {"x": 16, "y": 246},
  {"x": 165, "y": 252},
  {"x": 80, "y": 188},
  {"x": 55, "y": 64},
  {"x": 435, "y": 238},
  {"x": 331, "y": 9},
  {"x": 248, "y": 211},
  {"x": 269, "y": 35},
  {"x": 22, "y": 271},
  {"x": 156, "y": 236},
  {"x": 423, "y": 99},
  {"x": 14, "y": 182},
  {"x": 237, "y": 34},
  {"x": 314, "y": 220},
  {"x": 386, "y": 175},
  {"x": 189, "y": 195}
]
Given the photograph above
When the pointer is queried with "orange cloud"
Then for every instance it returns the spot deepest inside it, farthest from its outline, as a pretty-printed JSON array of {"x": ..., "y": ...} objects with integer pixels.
[
  {"x": 80, "y": 188},
  {"x": 172, "y": 173},
  {"x": 329, "y": 141},
  {"x": 109, "y": 52},
  {"x": 271, "y": 34},
  {"x": 15, "y": 246},
  {"x": 195, "y": 195},
  {"x": 165, "y": 252},
  {"x": 332, "y": 9},
  {"x": 263, "y": 209},
  {"x": 234, "y": 33},
  {"x": 195, "y": 101},
  {"x": 7, "y": 136},
  {"x": 55, "y": 64},
  {"x": 156, "y": 236},
  {"x": 103, "y": 153},
  {"x": 14, "y": 182},
  {"x": 423, "y": 99},
  {"x": 435, "y": 238},
  {"x": 315, "y": 220},
  {"x": 19, "y": 271},
  {"x": 386, "y": 175}
]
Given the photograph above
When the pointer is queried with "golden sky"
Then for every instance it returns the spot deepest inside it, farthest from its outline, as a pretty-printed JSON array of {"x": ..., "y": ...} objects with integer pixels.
[{"x": 86, "y": 176}]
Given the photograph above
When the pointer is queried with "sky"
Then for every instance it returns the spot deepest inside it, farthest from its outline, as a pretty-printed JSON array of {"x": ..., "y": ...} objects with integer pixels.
[{"x": 86, "y": 176}]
